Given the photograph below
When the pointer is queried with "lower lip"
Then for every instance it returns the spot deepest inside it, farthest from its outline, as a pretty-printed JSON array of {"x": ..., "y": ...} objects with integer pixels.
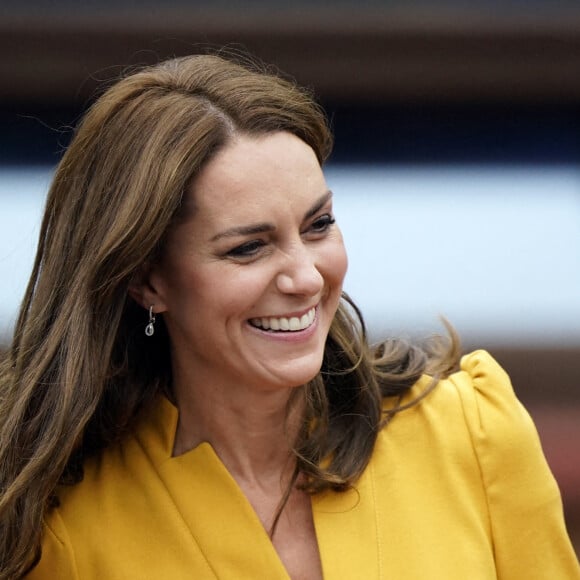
[{"x": 289, "y": 336}]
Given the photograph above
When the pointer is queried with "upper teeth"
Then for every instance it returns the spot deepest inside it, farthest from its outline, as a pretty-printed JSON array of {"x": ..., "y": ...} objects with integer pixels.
[{"x": 289, "y": 324}]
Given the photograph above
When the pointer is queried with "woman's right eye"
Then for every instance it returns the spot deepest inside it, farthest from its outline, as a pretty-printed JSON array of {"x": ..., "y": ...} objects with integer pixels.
[{"x": 246, "y": 250}]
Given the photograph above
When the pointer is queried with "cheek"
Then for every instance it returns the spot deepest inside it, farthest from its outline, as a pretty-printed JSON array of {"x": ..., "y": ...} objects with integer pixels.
[
  {"x": 233, "y": 292},
  {"x": 186, "y": 290}
]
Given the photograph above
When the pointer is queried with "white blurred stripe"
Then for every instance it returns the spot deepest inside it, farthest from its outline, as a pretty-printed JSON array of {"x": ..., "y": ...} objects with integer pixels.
[{"x": 495, "y": 249}]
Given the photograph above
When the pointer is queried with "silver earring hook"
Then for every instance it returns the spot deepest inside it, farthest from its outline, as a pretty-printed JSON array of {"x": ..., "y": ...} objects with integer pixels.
[{"x": 150, "y": 328}]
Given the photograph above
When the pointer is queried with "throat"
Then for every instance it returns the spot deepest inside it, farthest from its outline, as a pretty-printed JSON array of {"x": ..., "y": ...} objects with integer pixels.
[{"x": 294, "y": 536}]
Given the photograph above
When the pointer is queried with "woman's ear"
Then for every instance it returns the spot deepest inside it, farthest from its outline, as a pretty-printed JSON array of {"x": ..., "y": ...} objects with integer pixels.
[{"x": 146, "y": 289}]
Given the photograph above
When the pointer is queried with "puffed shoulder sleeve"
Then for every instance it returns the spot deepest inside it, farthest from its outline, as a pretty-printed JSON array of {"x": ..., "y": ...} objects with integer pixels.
[
  {"x": 525, "y": 507},
  {"x": 57, "y": 559}
]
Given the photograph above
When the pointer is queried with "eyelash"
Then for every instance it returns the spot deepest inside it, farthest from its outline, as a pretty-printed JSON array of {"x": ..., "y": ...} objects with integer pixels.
[
  {"x": 246, "y": 250},
  {"x": 251, "y": 248},
  {"x": 323, "y": 223}
]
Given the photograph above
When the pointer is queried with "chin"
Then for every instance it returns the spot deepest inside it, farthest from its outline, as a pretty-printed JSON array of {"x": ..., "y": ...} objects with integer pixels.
[{"x": 298, "y": 377}]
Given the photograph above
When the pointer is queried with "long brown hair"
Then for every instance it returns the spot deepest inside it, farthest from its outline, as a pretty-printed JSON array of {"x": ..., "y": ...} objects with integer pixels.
[{"x": 79, "y": 369}]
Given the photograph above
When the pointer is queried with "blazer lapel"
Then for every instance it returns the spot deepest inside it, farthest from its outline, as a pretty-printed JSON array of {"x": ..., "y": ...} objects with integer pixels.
[
  {"x": 347, "y": 533},
  {"x": 219, "y": 517}
]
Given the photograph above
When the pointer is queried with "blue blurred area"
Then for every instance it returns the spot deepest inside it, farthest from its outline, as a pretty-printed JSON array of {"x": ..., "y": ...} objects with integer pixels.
[
  {"x": 495, "y": 249},
  {"x": 466, "y": 211}
]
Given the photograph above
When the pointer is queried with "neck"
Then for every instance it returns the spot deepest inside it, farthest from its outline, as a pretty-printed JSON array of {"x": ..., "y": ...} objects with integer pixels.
[{"x": 250, "y": 430}]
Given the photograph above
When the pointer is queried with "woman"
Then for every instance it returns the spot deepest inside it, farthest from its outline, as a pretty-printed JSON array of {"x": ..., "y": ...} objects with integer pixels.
[{"x": 188, "y": 395}]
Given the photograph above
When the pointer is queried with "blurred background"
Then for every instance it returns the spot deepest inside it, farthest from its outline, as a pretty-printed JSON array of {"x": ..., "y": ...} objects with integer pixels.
[{"x": 456, "y": 169}]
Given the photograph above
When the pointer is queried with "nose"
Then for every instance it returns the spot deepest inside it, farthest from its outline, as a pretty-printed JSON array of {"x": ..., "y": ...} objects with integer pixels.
[{"x": 299, "y": 273}]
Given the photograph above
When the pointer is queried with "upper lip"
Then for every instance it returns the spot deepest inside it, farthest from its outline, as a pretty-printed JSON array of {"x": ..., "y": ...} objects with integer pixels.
[{"x": 297, "y": 314}]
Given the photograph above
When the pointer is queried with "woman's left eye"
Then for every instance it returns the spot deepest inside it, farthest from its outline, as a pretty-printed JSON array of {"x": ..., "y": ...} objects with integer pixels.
[
  {"x": 322, "y": 224},
  {"x": 247, "y": 250}
]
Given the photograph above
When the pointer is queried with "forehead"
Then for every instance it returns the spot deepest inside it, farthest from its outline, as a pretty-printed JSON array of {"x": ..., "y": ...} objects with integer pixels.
[{"x": 274, "y": 171}]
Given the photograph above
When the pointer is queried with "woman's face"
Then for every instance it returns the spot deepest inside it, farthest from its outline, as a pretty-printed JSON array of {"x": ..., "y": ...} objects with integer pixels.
[{"x": 250, "y": 282}]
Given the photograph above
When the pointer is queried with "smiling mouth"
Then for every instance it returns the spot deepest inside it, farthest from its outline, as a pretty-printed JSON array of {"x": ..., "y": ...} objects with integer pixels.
[{"x": 283, "y": 324}]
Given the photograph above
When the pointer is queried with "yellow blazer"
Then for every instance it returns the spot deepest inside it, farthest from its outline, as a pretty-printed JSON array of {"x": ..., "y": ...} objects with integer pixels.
[{"x": 457, "y": 488}]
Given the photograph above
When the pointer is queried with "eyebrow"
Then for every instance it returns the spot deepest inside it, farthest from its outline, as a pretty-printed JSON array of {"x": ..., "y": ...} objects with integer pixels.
[{"x": 264, "y": 227}]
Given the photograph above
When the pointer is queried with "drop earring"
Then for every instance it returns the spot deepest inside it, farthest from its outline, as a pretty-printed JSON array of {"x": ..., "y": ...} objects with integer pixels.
[{"x": 150, "y": 328}]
